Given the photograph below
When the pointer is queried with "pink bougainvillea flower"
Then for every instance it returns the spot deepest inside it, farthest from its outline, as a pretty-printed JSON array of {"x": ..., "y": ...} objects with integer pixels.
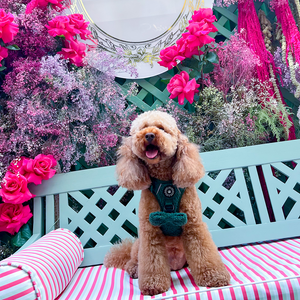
[
  {"x": 199, "y": 34},
  {"x": 60, "y": 25},
  {"x": 80, "y": 25},
  {"x": 180, "y": 86},
  {"x": 13, "y": 217},
  {"x": 56, "y": 4},
  {"x": 3, "y": 53},
  {"x": 40, "y": 168},
  {"x": 203, "y": 14},
  {"x": 169, "y": 57},
  {"x": 14, "y": 189},
  {"x": 75, "y": 52},
  {"x": 8, "y": 29},
  {"x": 185, "y": 49},
  {"x": 17, "y": 166}
]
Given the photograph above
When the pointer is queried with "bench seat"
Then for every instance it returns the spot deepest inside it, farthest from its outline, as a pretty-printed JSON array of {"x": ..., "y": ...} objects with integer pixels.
[{"x": 258, "y": 271}]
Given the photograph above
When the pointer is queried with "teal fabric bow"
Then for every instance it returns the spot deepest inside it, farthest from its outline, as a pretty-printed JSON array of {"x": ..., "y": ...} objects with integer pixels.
[
  {"x": 169, "y": 219},
  {"x": 170, "y": 223}
]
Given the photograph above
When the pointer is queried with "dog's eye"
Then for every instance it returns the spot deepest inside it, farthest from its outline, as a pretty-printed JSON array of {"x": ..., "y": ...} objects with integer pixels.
[{"x": 161, "y": 128}]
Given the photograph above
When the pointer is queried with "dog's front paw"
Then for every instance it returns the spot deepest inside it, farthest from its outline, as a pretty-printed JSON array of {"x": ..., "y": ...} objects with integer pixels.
[
  {"x": 213, "y": 277},
  {"x": 132, "y": 269},
  {"x": 154, "y": 285}
]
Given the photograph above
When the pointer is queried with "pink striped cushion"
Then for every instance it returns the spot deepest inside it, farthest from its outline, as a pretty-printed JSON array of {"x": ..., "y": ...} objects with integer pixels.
[
  {"x": 259, "y": 271},
  {"x": 42, "y": 270}
]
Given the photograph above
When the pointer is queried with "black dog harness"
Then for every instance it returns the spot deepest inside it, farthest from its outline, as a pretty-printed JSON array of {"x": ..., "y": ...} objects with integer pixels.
[{"x": 169, "y": 219}]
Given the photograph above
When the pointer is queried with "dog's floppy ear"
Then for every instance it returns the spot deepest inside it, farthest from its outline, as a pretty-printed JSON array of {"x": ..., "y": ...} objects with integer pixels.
[
  {"x": 131, "y": 172},
  {"x": 188, "y": 168}
]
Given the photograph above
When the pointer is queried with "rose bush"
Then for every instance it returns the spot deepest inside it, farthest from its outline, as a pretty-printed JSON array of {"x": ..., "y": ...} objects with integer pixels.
[
  {"x": 14, "y": 189},
  {"x": 13, "y": 217}
]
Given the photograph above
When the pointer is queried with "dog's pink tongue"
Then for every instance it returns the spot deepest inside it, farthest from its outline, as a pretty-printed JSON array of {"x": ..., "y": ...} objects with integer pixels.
[{"x": 151, "y": 153}]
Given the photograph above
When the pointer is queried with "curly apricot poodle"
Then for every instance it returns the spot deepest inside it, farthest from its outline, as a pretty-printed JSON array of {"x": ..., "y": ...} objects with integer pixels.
[{"x": 159, "y": 160}]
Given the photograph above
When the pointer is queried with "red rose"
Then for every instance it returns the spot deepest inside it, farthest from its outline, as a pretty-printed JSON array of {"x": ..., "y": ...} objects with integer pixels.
[
  {"x": 40, "y": 168},
  {"x": 184, "y": 47},
  {"x": 180, "y": 86},
  {"x": 8, "y": 29},
  {"x": 43, "y": 4},
  {"x": 80, "y": 25},
  {"x": 199, "y": 34},
  {"x": 169, "y": 57},
  {"x": 3, "y": 53},
  {"x": 14, "y": 189},
  {"x": 13, "y": 217},
  {"x": 60, "y": 25},
  {"x": 205, "y": 14},
  {"x": 18, "y": 165},
  {"x": 75, "y": 52}
]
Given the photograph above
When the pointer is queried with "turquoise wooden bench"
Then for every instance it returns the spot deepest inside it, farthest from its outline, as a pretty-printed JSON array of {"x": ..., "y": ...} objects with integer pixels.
[{"x": 248, "y": 195}]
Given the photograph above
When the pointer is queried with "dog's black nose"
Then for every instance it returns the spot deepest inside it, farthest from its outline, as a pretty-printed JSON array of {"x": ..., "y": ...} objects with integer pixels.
[{"x": 150, "y": 137}]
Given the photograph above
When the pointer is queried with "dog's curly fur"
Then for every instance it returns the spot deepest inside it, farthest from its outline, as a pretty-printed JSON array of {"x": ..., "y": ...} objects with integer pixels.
[{"x": 151, "y": 257}]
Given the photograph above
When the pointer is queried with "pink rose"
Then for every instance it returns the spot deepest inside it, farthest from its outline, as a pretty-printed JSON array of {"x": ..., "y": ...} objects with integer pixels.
[
  {"x": 169, "y": 57},
  {"x": 13, "y": 217},
  {"x": 14, "y": 189},
  {"x": 8, "y": 29},
  {"x": 17, "y": 166},
  {"x": 40, "y": 168},
  {"x": 184, "y": 47},
  {"x": 203, "y": 14},
  {"x": 3, "y": 53},
  {"x": 75, "y": 52},
  {"x": 180, "y": 86},
  {"x": 60, "y": 25},
  {"x": 199, "y": 34},
  {"x": 80, "y": 25},
  {"x": 44, "y": 3}
]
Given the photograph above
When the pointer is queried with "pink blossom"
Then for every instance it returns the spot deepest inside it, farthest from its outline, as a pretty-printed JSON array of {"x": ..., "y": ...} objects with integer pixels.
[
  {"x": 60, "y": 25},
  {"x": 203, "y": 14},
  {"x": 180, "y": 86},
  {"x": 75, "y": 52},
  {"x": 14, "y": 189},
  {"x": 80, "y": 25},
  {"x": 3, "y": 53},
  {"x": 13, "y": 217},
  {"x": 40, "y": 168},
  {"x": 169, "y": 57},
  {"x": 8, "y": 29}
]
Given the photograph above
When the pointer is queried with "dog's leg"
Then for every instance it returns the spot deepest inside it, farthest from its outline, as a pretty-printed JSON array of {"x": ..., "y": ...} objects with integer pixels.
[
  {"x": 201, "y": 252},
  {"x": 153, "y": 269},
  {"x": 131, "y": 266}
]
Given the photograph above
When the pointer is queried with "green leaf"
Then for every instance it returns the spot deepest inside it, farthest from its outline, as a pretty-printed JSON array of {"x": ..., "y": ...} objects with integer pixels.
[
  {"x": 195, "y": 74},
  {"x": 22, "y": 236},
  {"x": 208, "y": 67},
  {"x": 190, "y": 63},
  {"x": 212, "y": 57},
  {"x": 2, "y": 68},
  {"x": 165, "y": 80},
  {"x": 12, "y": 47}
]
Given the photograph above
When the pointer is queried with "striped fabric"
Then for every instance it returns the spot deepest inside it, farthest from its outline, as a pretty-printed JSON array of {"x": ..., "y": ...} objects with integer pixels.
[
  {"x": 42, "y": 270},
  {"x": 258, "y": 271}
]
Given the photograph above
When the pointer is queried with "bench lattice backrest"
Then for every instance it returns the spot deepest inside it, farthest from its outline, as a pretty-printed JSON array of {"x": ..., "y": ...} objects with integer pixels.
[{"x": 235, "y": 206}]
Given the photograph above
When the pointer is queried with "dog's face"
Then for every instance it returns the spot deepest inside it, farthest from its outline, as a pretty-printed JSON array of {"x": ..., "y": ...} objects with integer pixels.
[{"x": 154, "y": 136}]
